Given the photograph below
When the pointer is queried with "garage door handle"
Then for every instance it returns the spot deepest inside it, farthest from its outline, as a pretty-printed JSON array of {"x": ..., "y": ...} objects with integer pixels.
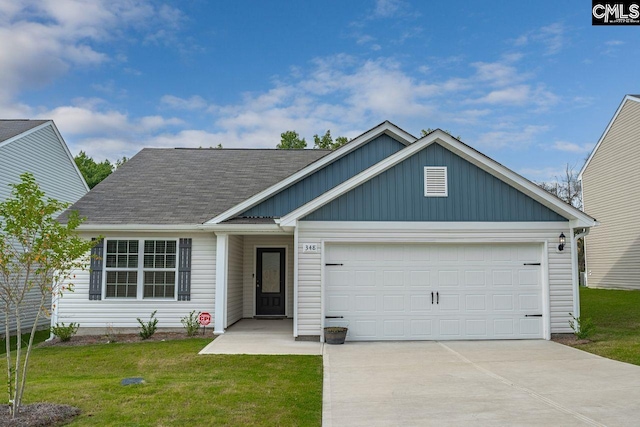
[
  {"x": 437, "y": 297},
  {"x": 533, "y": 315},
  {"x": 334, "y": 317},
  {"x": 431, "y": 297},
  {"x": 329, "y": 264},
  {"x": 531, "y": 263}
]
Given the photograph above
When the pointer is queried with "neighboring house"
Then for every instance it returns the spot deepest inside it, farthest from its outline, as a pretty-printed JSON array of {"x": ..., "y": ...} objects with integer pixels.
[
  {"x": 611, "y": 192},
  {"x": 396, "y": 237},
  {"x": 36, "y": 146}
]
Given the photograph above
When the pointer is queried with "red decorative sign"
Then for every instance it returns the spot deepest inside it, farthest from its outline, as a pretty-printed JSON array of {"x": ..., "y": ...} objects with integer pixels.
[{"x": 204, "y": 319}]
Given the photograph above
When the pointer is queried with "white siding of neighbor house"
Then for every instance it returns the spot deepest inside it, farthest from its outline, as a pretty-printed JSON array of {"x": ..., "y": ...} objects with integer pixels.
[
  {"x": 41, "y": 153},
  {"x": 310, "y": 264},
  {"x": 251, "y": 243},
  {"x": 121, "y": 314},
  {"x": 611, "y": 194},
  {"x": 234, "y": 279}
]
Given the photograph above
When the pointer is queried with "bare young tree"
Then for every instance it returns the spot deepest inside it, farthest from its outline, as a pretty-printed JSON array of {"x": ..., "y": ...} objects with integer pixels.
[
  {"x": 569, "y": 189},
  {"x": 37, "y": 254},
  {"x": 566, "y": 187}
]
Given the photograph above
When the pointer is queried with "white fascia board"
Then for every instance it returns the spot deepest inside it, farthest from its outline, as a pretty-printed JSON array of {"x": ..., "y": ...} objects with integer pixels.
[
  {"x": 66, "y": 149},
  {"x": 25, "y": 133},
  {"x": 466, "y": 152},
  {"x": 428, "y": 226},
  {"x": 386, "y": 128},
  {"x": 140, "y": 227},
  {"x": 606, "y": 131},
  {"x": 245, "y": 228}
]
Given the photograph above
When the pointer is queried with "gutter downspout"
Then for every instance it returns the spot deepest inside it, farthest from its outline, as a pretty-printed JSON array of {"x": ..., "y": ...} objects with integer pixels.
[{"x": 574, "y": 270}]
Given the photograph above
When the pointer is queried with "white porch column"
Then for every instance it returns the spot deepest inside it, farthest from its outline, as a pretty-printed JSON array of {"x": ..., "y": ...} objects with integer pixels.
[{"x": 222, "y": 267}]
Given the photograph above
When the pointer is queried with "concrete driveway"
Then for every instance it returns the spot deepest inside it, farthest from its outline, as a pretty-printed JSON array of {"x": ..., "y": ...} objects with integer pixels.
[{"x": 488, "y": 383}]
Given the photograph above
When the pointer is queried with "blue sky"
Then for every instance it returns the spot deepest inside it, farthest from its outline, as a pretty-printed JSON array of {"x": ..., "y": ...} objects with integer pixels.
[{"x": 531, "y": 84}]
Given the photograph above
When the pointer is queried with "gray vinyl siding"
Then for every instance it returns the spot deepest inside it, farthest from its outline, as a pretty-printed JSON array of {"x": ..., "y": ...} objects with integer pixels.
[
  {"x": 310, "y": 269},
  {"x": 120, "y": 314},
  {"x": 234, "y": 279},
  {"x": 42, "y": 154},
  {"x": 326, "y": 178},
  {"x": 398, "y": 195},
  {"x": 611, "y": 193}
]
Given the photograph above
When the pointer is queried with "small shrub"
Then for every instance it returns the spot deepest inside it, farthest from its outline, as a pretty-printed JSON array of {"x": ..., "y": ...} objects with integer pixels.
[
  {"x": 65, "y": 332},
  {"x": 111, "y": 334},
  {"x": 148, "y": 329},
  {"x": 582, "y": 328},
  {"x": 191, "y": 323}
]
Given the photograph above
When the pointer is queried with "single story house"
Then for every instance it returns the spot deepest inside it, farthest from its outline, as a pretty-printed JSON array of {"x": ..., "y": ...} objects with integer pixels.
[
  {"x": 610, "y": 191},
  {"x": 396, "y": 237},
  {"x": 37, "y": 147}
]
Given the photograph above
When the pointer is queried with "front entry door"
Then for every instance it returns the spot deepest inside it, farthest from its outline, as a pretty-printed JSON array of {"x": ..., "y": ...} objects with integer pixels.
[{"x": 270, "y": 282}]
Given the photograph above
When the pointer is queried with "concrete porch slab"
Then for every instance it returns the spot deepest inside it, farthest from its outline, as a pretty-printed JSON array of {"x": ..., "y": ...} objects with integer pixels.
[{"x": 265, "y": 337}]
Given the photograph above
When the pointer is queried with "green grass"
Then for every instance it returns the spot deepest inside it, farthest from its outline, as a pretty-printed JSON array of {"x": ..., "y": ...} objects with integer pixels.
[
  {"x": 182, "y": 388},
  {"x": 616, "y": 315},
  {"x": 38, "y": 338}
]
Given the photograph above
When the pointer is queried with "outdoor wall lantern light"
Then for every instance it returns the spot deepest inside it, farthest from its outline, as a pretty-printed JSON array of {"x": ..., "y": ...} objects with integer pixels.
[{"x": 561, "y": 242}]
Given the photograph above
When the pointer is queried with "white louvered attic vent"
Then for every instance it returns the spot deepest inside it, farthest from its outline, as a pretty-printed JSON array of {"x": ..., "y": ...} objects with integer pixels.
[{"x": 435, "y": 181}]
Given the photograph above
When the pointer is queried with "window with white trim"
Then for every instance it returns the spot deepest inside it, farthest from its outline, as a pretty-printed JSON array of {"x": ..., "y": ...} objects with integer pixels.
[
  {"x": 140, "y": 268},
  {"x": 435, "y": 181}
]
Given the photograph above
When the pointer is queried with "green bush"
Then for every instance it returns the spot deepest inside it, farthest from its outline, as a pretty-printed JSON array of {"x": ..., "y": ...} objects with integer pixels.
[
  {"x": 65, "y": 332},
  {"x": 191, "y": 323},
  {"x": 148, "y": 329},
  {"x": 582, "y": 328}
]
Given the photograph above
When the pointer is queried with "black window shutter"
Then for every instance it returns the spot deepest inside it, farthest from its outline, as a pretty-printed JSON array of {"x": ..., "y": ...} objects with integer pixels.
[
  {"x": 95, "y": 274},
  {"x": 184, "y": 270}
]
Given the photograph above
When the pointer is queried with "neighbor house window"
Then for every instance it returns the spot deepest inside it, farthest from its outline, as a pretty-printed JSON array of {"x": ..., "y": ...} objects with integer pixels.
[{"x": 141, "y": 269}]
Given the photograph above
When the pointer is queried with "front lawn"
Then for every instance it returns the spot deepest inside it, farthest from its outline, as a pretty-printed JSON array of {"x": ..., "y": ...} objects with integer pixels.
[
  {"x": 616, "y": 315},
  {"x": 182, "y": 387}
]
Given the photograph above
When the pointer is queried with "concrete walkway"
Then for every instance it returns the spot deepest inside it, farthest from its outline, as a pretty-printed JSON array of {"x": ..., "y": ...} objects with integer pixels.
[
  {"x": 258, "y": 336},
  {"x": 486, "y": 383}
]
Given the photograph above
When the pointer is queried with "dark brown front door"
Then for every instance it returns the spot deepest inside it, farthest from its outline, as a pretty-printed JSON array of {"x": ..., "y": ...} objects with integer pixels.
[{"x": 270, "y": 282}]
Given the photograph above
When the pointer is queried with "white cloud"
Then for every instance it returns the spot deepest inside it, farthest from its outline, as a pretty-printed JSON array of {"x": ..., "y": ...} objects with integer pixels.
[
  {"x": 193, "y": 103},
  {"x": 552, "y": 37},
  {"x": 572, "y": 147},
  {"x": 41, "y": 39},
  {"x": 516, "y": 138}
]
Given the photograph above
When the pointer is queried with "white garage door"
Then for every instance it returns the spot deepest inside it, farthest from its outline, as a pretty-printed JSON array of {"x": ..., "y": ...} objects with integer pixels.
[{"x": 435, "y": 291}]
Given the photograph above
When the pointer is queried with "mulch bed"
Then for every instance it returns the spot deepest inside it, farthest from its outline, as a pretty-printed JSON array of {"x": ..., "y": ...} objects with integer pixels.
[
  {"x": 118, "y": 338},
  {"x": 39, "y": 414},
  {"x": 568, "y": 339}
]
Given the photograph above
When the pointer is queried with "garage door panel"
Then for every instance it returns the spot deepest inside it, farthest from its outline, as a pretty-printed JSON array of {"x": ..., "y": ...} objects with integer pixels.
[
  {"x": 393, "y": 278},
  {"x": 475, "y": 278},
  {"x": 420, "y": 278},
  {"x": 384, "y": 291},
  {"x": 475, "y": 303},
  {"x": 448, "y": 278}
]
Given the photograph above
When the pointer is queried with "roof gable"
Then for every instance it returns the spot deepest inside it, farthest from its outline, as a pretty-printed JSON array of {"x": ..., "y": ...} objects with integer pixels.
[
  {"x": 628, "y": 98},
  {"x": 322, "y": 180},
  {"x": 386, "y": 127},
  {"x": 10, "y": 129},
  {"x": 483, "y": 162},
  {"x": 397, "y": 194}
]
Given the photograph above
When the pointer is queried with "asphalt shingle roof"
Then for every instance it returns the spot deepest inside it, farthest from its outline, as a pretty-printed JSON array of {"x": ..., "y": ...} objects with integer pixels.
[
  {"x": 11, "y": 128},
  {"x": 187, "y": 186}
]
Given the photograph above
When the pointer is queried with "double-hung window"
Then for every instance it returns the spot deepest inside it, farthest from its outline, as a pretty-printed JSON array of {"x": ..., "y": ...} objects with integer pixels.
[{"x": 140, "y": 268}]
